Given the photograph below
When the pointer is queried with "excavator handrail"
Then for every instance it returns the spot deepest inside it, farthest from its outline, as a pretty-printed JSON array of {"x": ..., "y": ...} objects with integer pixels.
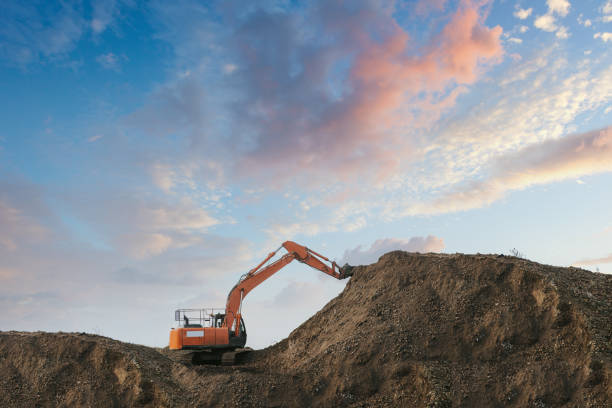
[{"x": 260, "y": 273}]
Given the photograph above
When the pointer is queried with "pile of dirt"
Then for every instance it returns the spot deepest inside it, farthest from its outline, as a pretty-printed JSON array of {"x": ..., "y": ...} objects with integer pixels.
[{"x": 416, "y": 330}]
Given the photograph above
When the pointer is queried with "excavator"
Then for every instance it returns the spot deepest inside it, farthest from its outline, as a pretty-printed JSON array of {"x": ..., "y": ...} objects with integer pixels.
[{"x": 213, "y": 336}]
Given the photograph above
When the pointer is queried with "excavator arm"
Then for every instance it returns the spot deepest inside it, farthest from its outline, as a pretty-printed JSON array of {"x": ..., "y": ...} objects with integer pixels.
[{"x": 260, "y": 273}]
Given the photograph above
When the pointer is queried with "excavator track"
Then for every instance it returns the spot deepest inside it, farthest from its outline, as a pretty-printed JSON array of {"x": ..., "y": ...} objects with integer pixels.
[{"x": 211, "y": 357}]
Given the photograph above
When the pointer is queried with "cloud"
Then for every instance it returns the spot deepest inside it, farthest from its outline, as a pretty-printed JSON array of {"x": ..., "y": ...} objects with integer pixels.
[
  {"x": 155, "y": 228},
  {"x": 547, "y": 22},
  {"x": 17, "y": 227},
  {"x": 229, "y": 68},
  {"x": 560, "y": 7},
  {"x": 593, "y": 261},
  {"x": 562, "y": 33},
  {"x": 104, "y": 11},
  {"x": 52, "y": 279},
  {"x": 570, "y": 157},
  {"x": 21, "y": 214},
  {"x": 324, "y": 111},
  {"x": 606, "y": 11},
  {"x": 362, "y": 256},
  {"x": 139, "y": 225},
  {"x": 144, "y": 244},
  {"x": 40, "y": 30},
  {"x": 109, "y": 61},
  {"x": 528, "y": 106},
  {"x": 302, "y": 126},
  {"x": 522, "y": 14},
  {"x": 582, "y": 21},
  {"x": 605, "y": 37}
]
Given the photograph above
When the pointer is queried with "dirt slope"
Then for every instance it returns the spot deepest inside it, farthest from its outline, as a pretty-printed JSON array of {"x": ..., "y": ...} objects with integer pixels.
[{"x": 411, "y": 330}]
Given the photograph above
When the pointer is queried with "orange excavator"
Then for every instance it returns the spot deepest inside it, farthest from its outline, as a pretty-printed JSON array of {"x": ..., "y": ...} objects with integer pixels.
[{"x": 218, "y": 336}]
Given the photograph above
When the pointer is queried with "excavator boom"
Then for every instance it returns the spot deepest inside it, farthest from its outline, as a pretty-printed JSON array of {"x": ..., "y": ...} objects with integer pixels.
[
  {"x": 227, "y": 331},
  {"x": 259, "y": 274}
]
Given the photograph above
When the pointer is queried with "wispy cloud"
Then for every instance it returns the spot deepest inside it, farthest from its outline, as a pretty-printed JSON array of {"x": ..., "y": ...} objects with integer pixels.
[
  {"x": 606, "y": 11},
  {"x": 364, "y": 256},
  {"x": 109, "y": 61},
  {"x": 570, "y": 157},
  {"x": 104, "y": 12},
  {"x": 594, "y": 261},
  {"x": 39, "y": 30},
  {"x": 21, "y": 217}
]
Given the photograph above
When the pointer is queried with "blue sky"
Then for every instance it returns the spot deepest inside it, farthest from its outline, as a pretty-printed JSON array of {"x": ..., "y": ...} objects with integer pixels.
[{"x": 152, "y": 152}]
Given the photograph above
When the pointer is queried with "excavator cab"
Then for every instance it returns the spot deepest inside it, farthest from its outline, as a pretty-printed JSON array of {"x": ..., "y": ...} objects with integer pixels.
[{"x": 205, "y": 329}]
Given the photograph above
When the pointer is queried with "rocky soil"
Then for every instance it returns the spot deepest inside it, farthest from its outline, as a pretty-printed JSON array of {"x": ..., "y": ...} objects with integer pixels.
[{"x": 413, "y": 330}]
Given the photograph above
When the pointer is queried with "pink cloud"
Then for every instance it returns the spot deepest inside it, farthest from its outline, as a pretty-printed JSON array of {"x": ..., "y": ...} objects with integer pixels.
[
  {"x": 391, "y": 84},
  {"x": 594, "y": 261}
]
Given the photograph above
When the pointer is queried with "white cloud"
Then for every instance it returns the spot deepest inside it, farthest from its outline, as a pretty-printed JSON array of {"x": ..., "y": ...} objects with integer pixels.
[
  {"x": 560, "y": 7},
  {"x": 522, "y": 14},
  {"x": 523, "y": 29},
  {"x": 515, "y": 40},
  {"x": 530, "y": 105},
  {"x": 605, "y": 37},
  {"x": 586, "y": 23},
  {"x": 546, "y": 22},
  {"x": 109, "y": 61},
  {"x": 570, "y": 157},
  {"x": 229, "y": 68},
  {"x": 362, "y": 256},
  {"x": 94, "y": 138},
  {"x": 606, "y": 11},
  {"x": 562, "y": 33}
]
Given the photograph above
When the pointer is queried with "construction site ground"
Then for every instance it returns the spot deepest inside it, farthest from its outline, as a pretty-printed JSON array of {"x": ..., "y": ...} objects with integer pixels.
[{"x": 412, "y": 330}]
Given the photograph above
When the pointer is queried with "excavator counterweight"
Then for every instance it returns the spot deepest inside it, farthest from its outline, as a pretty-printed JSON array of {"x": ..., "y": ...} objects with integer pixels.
[{"x": 213, "y": 336}]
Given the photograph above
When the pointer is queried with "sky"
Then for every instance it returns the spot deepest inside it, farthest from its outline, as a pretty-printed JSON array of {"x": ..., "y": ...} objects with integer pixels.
[{"x": 151, "y": 152}]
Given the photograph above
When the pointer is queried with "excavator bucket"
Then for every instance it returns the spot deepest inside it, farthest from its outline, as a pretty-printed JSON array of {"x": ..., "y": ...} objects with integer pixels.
[{"x": 346, "y": 271}]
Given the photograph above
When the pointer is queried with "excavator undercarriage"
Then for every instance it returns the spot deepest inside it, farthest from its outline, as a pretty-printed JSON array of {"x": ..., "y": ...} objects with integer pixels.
[{"x": 227, "y": 357}]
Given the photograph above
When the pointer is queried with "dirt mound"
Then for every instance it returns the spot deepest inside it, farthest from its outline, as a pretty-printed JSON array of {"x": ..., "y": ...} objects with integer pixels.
[
  {"x": 456, "y": 330},
  {"x": 411, "y": 330}
]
